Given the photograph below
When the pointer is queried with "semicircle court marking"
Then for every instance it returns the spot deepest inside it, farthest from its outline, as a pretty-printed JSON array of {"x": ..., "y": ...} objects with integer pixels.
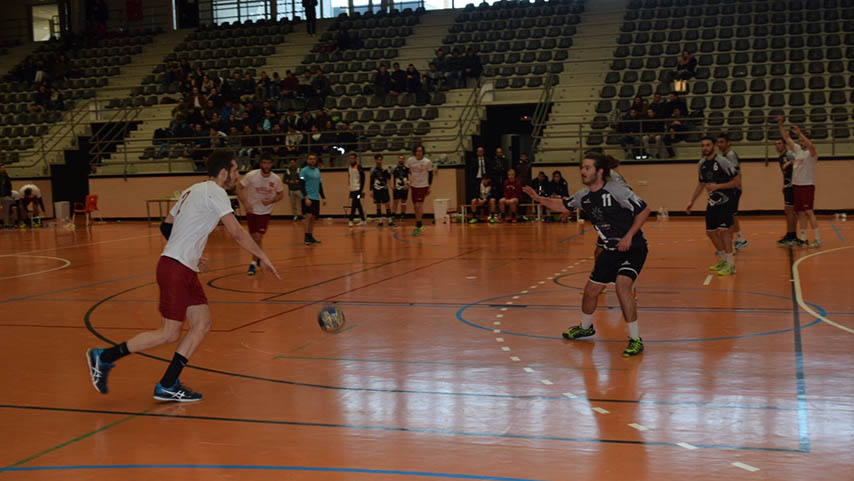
[
  {"x": 45, "y": 271},
  {"x": 799, "y": 296}
]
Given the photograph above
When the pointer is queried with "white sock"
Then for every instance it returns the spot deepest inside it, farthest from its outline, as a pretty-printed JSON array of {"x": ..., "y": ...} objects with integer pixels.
[
  {"x": 730, "y": 258},
  {"x": 804, "y": 234},
  {"x": 586, "y": 320},
  {"x": 633, "y": 329},
  {"x": 817, "y": 235},
  {"x": 738, "y": 236}
]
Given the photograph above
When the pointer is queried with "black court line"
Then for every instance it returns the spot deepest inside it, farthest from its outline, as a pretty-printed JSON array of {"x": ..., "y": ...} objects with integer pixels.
[
  {"x": 317, "y": 284},
  {"x": 800, "y": 375},
  {"x": 445, "y": 432}
]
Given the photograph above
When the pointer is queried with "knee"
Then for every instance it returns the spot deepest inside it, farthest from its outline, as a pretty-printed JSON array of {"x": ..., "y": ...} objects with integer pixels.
[
  {"x": 201, "y": 326},
  {"x": 169, "y": 336}
]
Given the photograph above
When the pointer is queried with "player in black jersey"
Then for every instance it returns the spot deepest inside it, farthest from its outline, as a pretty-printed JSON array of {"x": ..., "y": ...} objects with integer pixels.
[
  {"x": 379, "y": 190},
  {"x": 617, "y": 214},
  {"x": 400, "y": 192},
  {"x": 721, "y": 179},
  {"x": 785, "y": 159}
]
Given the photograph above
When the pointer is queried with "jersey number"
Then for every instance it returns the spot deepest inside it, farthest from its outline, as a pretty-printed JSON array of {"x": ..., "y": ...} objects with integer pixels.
[{"x": 606, "y": 200}]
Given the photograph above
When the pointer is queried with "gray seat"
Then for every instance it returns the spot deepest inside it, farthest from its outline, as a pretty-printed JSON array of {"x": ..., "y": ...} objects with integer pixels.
[
  {"x": 796, "y": 99},
  {"x": 736, "y": 117},
  {"x": 757, "y": 100},
  {"x": 756, "y": 117}
]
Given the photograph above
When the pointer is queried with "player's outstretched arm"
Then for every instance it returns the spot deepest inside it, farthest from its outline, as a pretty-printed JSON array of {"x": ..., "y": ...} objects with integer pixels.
[
  {"x": 784, "y": 134},
  {"x": 555, "y": 204},
  {"x": 245, "y": 241},
  {"x": 806, "y": 142}
]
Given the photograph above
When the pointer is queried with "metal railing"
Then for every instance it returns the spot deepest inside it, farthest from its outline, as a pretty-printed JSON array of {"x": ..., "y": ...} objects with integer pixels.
[{"x": 541, "y": 112}]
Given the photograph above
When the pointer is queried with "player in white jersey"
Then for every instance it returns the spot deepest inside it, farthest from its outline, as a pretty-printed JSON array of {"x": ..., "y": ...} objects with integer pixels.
[
  {"x": 420, "y": 180},
  {"x": 803, "y": 179},
  {"x": 196, "y": 214},
  {"x": 258, "y": 190}
]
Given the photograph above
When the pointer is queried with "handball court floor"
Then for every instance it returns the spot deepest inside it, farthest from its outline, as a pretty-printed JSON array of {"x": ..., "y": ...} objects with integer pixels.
[{"x": 450, "y": 365}]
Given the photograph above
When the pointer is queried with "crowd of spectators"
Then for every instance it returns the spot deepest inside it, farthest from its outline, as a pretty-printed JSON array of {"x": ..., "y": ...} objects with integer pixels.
[
  {"x": 648, "y": 129},
  {"x": 456, "y": 70}
]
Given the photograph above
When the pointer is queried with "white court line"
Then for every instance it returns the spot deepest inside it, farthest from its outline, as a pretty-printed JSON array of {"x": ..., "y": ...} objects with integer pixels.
[
  {"x": 82, "y": 245},
  {"x": 745, "y": 467},
  {"x": 515, "y": 297},
  {"x": 541, "y": 282},
  {"x": 639, "y": 427},
  {"x": 570, "y": 395},
  {"x": 471, "y": 277},
  {"x": 546, "y": 382},
  {"x": 499, "y": 316},
  {"x": 708, "y": 280},
  {"x": 687, "y": 446},
  {"x": 601, "y": 410},
  {"x": 496, "y": 323},
  {"x": 508, "y": 303},
  {"x": 67, "y": 263},
  {"x": 557, "y": 274},
  {"x": 497, "y": 331},
  {"x": 528, "y": 369},
  {"x": 503, "y": 308},
  {"x": 505, "y": 348},
  {"x": 550, "y": 278},
  {"x": 499, "y": 339},
  {"x": 514, "y": 359},
  {"x": 799, "y": 294},
  {"x": 524, "y": 292}
]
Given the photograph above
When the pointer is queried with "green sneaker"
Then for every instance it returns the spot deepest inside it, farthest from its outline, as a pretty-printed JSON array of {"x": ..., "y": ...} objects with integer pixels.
[
  {"x": 417, "y": 231},
  {"x": 634, "y": 348},
  {"x": 473, "y": 220},
  {"x": 727, "y": 270},
  {"x": 720, "y": 265},
  {"x": 576, "y": 332}
]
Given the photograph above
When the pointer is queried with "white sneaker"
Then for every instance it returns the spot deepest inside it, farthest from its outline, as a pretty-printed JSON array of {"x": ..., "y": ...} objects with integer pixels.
[{"x": 350, "y": 223}]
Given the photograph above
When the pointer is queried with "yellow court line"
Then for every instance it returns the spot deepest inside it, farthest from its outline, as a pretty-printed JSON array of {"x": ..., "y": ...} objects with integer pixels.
[
  {"x": 67, "y": 263},
  {"x": 799, "y": 295}
]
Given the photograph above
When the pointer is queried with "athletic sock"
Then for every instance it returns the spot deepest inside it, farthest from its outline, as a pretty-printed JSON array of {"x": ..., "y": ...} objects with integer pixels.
[
  {"x": 633, "y": 330},
  {"x": 738, "y": 236},
  {"x": 388, "y": 213},
  {"x": 114, "y": 353},
  {"x": 817, "y": 235},
  {"x": 804, "y": 234},
  {"x": 586, "y": 320},
  {"x": 418, "y": 224},
  {"x": 730, "y": 258},
  {"x": 379, "y": 211},
  {"x": 173, "y": 371}
]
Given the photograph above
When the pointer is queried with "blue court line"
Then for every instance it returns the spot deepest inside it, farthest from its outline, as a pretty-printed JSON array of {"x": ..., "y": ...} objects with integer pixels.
[
  {"x": 270, "y": 468},
  {"x": 838, "y": 232},
  {"x": 800, "y": 375},
  {"x": 555, "y": 338}
]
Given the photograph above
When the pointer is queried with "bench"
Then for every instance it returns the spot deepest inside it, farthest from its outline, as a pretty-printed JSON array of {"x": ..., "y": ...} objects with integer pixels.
[{"x": 539, "y": 208}]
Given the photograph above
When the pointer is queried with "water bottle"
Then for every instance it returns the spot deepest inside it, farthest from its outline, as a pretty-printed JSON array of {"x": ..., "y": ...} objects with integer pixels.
[
  {"x": 660, "y": 214},
  {"x": 844, "y": 216}
]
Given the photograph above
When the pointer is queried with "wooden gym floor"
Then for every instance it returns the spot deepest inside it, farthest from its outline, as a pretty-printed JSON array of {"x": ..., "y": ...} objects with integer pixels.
[{"x": 451, "y": 364}]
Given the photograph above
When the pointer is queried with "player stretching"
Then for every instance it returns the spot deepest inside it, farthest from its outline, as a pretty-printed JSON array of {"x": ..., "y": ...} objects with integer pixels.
[
  {"x": 617, "y": 214},
  {"x": 803, "y": 179},
  {"x": 420, "y": 179},
  {"x": 187, "y": 227},
  {"x": 720, "y": 179},
  {"x": 258, "y": 190}
]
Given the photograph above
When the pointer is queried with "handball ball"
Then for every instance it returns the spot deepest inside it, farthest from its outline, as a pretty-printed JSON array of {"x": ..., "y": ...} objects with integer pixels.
[{"x": 330, "y": 319}]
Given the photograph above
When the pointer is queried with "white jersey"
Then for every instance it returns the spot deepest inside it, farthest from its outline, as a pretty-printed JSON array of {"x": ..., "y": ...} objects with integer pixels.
[
  {"x": 355, "y": 178},
  {"x": 196, "y": 215},
  {"x": 16, "y": 196},
  {"x": 37, "y": 193},
  {"x": 419, "y": 172},
  {"x": 803, "y": 167},
  {"x": 260, "y": 188}
]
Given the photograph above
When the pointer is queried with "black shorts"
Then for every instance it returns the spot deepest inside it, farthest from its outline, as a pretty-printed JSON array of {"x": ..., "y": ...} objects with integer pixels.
[
  {"x": 613, "y": 263},
  {"x": 737, "y": 197},
  {"x": 401, "y": 194},
  {"x": 381, "y": 196},
  {"x": 600, "y": 242},
  {"x": 719, "y": 216},
  {"x": 313, "y": 210},
  {"x": 789, "y": 195}
]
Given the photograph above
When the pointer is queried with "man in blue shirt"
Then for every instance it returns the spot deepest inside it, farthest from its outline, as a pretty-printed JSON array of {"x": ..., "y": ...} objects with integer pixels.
[{"x": 312, "y": 191}]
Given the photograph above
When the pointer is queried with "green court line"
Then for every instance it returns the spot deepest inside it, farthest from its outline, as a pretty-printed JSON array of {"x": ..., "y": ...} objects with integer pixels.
[
  {"x": 308, "y": 343},
  {"x": 78, "y": 438}
]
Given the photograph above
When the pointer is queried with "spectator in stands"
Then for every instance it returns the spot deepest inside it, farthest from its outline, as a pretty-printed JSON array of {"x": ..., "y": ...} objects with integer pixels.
[
  {"x": 314, "y": 141},
  {"x": 559, "y": 187},
  {"x": 455, "y": 68},
  {"x": 629, "y": 127},
  {"x": 61, "y": 68},
  {"x": 511, "y": 196},
  {"x": 434, "y": 80},
  {"x": 320, "y": 85},
  {"x": 227, "y": 110},
  {"x": 293, "y": 141},
  {"x": 502, "y": 163},
  {"x": 523, "y": 169},
  {"x": 675, "y": 131},
  {"x": 217, "y": 139},
  {"x": 472, "y": 67},
  {"x": 248, "y": 143},
  {"x": 305, "y": 84},
  {"x": 674, "y": 102},
  {"x": 274, "y": 143},
  {"x": 41, "y": 100},
  {"x": 657, "y": 104},
  {"x": 197, "y": 100},
  {"x": 274, "y": 89},
  {"x": 269, "y": 120},
  {"x": 346, "y": 138},
  {"x": 686, "y": 66},
  {"x": 306, "y": 122},
  {"x": 310, "y": 16},
  {"x": 206, "y": 85},
  {"x": 327, "y": 139},
  {"x": 247, "y": 88},
  {"x": 478, "y": 168},
  {"x": 291, "y": 120},
  {"x": 290, "y": 85},
  {"x": 413, "y": 79},
  {"x": 398, "y": 80},
  {"x": 201, "y": 145},
  {"x": 640, "y": 105},
  {"x": 382, "y": 81},
  {"x": 542, "y": 185},
  {"x": 653, "y": 130}
]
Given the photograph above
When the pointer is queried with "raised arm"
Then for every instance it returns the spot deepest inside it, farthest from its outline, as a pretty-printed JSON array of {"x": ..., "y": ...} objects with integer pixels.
[
  {"x": 245, "y": 241},
  {"x": 805, "y": 142},
  {"x": 784, "y": 134}
]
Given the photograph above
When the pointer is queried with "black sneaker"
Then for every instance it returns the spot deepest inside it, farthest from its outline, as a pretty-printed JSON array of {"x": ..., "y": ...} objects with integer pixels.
[
  {"x": 98, "y": 369},
  {"x": 576, "y": 332},
  {"x": 176, "y": 393}
]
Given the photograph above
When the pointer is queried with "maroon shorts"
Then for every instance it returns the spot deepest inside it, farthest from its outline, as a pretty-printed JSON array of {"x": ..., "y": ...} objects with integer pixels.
[
  {"x": 418, "y": 194},
  {"x": 804, "y": 197},
  {"x": 258, "y": 223},
  {"x": 179, "y": 288}
]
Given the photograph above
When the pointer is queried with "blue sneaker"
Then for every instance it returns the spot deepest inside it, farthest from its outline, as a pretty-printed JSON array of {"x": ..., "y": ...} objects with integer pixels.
[
  {"x": 741, "y": 244},
  {"x": 98, "y": 369},
  {"x": 251, "y": 269},
  {"x": 177, "y": 393}
]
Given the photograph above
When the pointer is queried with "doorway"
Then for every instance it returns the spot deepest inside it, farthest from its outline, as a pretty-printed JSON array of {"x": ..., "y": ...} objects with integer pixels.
[{"x": 45, "y": 21}]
